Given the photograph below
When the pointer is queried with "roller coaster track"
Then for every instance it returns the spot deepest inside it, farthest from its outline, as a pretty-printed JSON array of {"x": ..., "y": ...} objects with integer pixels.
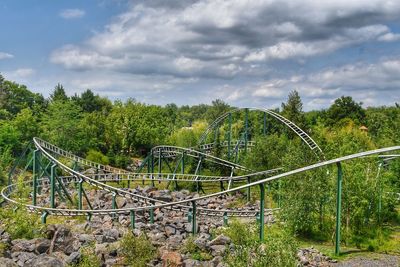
[
  {"x": 6, "y": 192},
  {"x": 297, "y": 130}
]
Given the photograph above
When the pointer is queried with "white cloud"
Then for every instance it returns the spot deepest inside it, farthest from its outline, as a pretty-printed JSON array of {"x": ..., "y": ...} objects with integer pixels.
[
  {"x": 72, "y": 13},
  {"x": 4, "y": 55}
]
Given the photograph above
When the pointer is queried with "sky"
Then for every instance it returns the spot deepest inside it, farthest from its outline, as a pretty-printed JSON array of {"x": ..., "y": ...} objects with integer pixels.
[{"x": 247, "y": 53}]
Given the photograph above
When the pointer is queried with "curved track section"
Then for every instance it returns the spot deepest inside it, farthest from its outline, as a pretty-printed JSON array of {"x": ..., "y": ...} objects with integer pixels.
[
  {"x": 150, "y": 204},
  {"x": 291, "y": 125}
]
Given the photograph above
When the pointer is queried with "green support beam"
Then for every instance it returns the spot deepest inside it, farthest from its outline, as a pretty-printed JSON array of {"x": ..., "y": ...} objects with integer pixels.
[
  {"x": 229, "y": 135},
  {"x": 248, "y": 190},
  {"x": 44, "y": 217},
  {"x": 52, "y": 186},
  {"x": 114, "y": 204},
  {"x": 80, "y": 187},
  {"x": 261, "y": 214},
  {"x": 265, "y": 124},
  {"x": 132, "y": 215},
  {"x": 35, "y": 178},
  {"x": 246, "y": 129},
  {"x": 338, "y": 207},
  {"x": 194, "y": 219},
  {"x": 225, "y": 219},
  {"x": 151, "y": 215}
]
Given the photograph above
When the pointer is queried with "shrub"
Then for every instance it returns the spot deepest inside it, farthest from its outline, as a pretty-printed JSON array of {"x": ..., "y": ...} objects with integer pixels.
[
  {"x": 88, "y": 257},
  {"x": 19, "y": 223},
  {"x": 137, "y": 250}
]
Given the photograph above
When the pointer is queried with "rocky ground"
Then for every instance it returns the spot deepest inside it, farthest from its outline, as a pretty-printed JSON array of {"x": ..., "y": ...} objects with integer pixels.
[{"x": 62, "y": 243}]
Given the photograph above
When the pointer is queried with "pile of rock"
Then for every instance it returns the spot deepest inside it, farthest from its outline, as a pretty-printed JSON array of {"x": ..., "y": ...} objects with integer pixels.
[{"x": 313, "y": 258}]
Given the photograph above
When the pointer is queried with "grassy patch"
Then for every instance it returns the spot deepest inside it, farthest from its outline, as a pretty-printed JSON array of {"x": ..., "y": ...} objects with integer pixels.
[{"x": 137, "y": 250}]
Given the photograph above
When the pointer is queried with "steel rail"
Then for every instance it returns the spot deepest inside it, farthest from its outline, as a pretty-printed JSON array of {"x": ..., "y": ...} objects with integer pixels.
[
  {"x": 296, "y": 129},
  {"x": 192, "y": 200}
]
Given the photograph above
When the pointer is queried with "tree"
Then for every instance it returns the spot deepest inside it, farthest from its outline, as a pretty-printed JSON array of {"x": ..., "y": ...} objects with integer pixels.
[
  {"x": 345, "y": 107},
  {"x": 15, "y": 97},
  {"x": 58, "y": 94},
  {"x": 293, "y": 109},
  {"x": 218, "y": 108}
]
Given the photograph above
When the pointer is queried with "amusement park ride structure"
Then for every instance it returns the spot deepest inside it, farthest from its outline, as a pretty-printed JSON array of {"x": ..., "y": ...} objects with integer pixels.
[{"x": 49, "y": 168}]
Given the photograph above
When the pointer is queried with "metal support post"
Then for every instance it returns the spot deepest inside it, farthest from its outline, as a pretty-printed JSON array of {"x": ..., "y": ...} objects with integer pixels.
[
  {"x": 194, "y": 226},
  {"x": 265, "y": 124},
  {"x": 225, "y": 218},
  {"x": 44, "y": 217},
  {"x": 52, "y": 185},
  {"x": 114, "y": 204},
  {"x": 229, "y": 135},
  {"x": 248, "y": 190},
  {"x": 80, "y": 189},
  {"x": 151, "y": 215},
  {"x": 262, "y": 203},
  {"x": 246, "y": 126},
  {"x": 338, "y": 206},
  {"x": 190, "y": 215},
  {"x": 132, "y": 214},
  {"x": 35, "y": 173},
  {"x": 88, "y": 216}
]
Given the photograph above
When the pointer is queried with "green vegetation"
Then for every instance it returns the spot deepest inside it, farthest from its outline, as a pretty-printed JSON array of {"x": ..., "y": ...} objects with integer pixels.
[
  {"x": 137, "y": 250},
  {"x": 88, "y": 257},
  {"x": 19, "y": 223},
  {"x": 115, "y": 132},
  {"x": 278, "y": 249},
  {"x": 195, "y": 252}
]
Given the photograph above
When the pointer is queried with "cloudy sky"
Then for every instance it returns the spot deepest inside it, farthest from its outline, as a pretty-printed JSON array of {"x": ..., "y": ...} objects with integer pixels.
[{"x": 247, "y": 53}]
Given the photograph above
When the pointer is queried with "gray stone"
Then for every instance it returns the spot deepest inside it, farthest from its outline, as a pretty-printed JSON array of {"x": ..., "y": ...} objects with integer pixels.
[
  {"x": 218, "y": 250},
  {"x": 220, "y": 240},
  {"x": 22, "y": 245},
  {"x": 169, "y": 230},
  {"x": 73, "y": 258},
  {"x": 111, "y": 235},
  {"x": 4, "y": 262},
  {"x": 47, "y": 261},
  {"x": 23, "y": 258}
]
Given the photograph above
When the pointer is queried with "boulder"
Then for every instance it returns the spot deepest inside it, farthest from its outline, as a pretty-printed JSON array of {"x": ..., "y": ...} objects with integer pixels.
[
  {"x": 4, "y": 262},
  {"x": 171, "y": 259}
]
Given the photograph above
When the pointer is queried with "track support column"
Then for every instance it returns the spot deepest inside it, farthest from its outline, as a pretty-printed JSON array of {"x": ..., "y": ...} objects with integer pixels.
[
  {"x": 114, "y": 204},
  {"x": 44, "y": 217},
  {"x": 35, "y": 175},
  {"x": 52, "y": 186},
  {"x": 246, "y": 128},
  {"x": 229, "y": 135},
  {"x": 194, "y": 219},
  {"x": 338, "y": 207},
  {"x": 248, "y": 190},
  {"x": 261, "y": 214},
  {"x": 80, "y": 189},
  {"x": 225, "y": 218},
  {"x": 132, "y": 214}
]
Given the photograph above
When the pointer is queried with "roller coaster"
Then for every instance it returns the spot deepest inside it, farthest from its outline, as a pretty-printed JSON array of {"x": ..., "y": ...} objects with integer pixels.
[{"x": 68, "y": 176}]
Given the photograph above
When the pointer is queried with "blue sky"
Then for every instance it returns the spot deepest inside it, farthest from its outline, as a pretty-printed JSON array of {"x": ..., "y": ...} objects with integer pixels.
[{"x": 247, "y": 53}]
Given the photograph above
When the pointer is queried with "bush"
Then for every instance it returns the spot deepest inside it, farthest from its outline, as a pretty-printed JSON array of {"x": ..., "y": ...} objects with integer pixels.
[
  {"x": 97, "y": 156},
  {"x": 20, "y": 223},
  {"x": 196, "y": 253},
  {"x": 278, "y": 249},
  {"x": 138, "y": 251},
  {"x": 88, "y": 257}
]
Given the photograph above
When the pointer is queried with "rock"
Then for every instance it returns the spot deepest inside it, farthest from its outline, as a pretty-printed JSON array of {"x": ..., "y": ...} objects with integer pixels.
[
  {"x": 169, "y": 230},
  {"x": 111, "y": 235},
  {"x": 47, "y": 261},
  {"x": 63, "y": 240},
  {"x": 192, "y": 263},
  {"x": 42, "y": 245},
  {"x": 23, "y": 258},
  {"x": 73, "y": 258},
  {"x": 85, "y": 239},
  {"x": 22, "y": 245},
  {"x": 220, "y": 240},
  {"x": 218, "y": 250},
  {"x": 174, "y": 242},
  {"x": 37, "y": 245},
  {"x": 4, "y": 262},
  {"x": 163, "y": 195},
  {"x": 171, "y": 259}
]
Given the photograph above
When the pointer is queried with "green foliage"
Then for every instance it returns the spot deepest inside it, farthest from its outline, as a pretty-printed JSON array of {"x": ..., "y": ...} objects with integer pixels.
[
  {"x": 20, "y": 223},
  {"x": 88, "y": 257},
  {"x": 97, "y": 156},
  {"x": 137, "y": 250},
  {"x": 293, "y": 109},
  {"x": 278, "y": 249},
  {"x": 346, "y": 107},
  {"x": 59, "y": 94},
  {"x": 195, "y": 252}
]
